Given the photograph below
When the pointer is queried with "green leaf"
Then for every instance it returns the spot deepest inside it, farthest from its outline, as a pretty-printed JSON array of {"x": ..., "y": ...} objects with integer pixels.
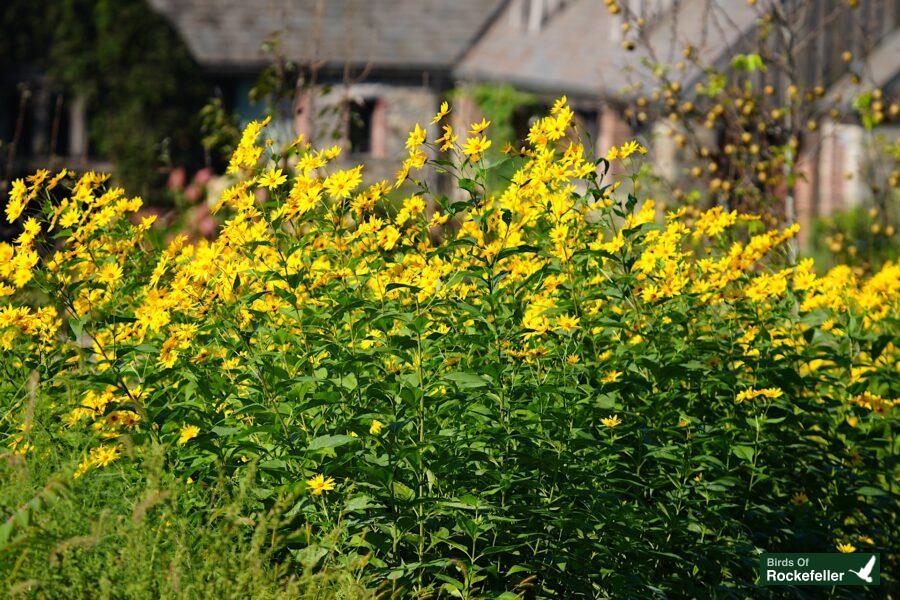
[
  {"x": 358, "y": 503},
  {"x": 468, "y": 185},
  {"x": 225, "y": 431},
  {"x": 605, "y": 401},
  {"x": 348, "y": 382},
  {"x": 748, "y": 62},
  {"x": 309, "y": 556},
  {"x": 77, "y": 325},
  {"x": 403, "y": 492},
  {"x": 743, "y": 452},
  {"x": 466, "y": 380},
  {"x": 330, "y": 441}
]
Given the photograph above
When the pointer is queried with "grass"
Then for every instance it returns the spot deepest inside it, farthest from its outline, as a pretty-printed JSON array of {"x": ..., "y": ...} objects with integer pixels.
[{"x": 129, "y": 533}]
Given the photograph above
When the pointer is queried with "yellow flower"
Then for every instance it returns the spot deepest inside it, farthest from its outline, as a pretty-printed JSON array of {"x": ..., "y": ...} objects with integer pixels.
[
  {"x": 443, "y": 112},
  {"x": 416, "y": 159},
  {"x": 109, "y": 274},
  {"x": 612, "y": 246},
  {"x": 438, "y": 219},
  {"x": 104, "y": 455},
  {"x": 613, "y": 421},
  {"x": 319, "y": 484},
  {"x": 376, "y": 427},
  {"x": 341, "y": 184},
  {"x": 714, "y": 222},
  {"x": 416, "y": 137},
  {"x": 247, "y": 152},
  {"x": 448, "y": 140},
  {"x": 611, "y": 377},
  {"x": 17, "y": 200},
  {"x": 558, "y": 105},
  {"x": 272, "y": 179},
  {"x": 387, "y": 237},
  {"x": 100, "y": 456},
  {"x": 567, "y": 322},
  {"x": 69, "y": 218},
  {"x": 30, "y": 230},
  {"x": 750, "y": 394},
  {"x": 479, "y": 127},
  {"x": 846, "y": 548},
  {"x": 875, "y": 402},
  {"x": 629, "y": 148},
  {"x": 56, "y": 179},
  {"x": 412, "y": 206},
  {"x": 310, "y": 162},
  {"x": 188, "y": 432},
  {"x": 799, "y": 498},
  {"x": 476, "y": 146}
]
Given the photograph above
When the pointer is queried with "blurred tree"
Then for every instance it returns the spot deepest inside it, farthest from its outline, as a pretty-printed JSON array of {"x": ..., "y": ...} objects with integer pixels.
[
  {"x": 744, "y": 122},
  {"x": 221, "y": 132},
  {"x": 143, "y": 90}
]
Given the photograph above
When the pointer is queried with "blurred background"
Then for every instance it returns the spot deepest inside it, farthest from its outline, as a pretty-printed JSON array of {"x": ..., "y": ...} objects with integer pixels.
[{"x": 784, "y": 107}]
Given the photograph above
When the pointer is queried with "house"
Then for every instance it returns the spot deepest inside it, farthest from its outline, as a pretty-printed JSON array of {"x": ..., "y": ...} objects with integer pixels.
[
  {"x": 366, "y": 70},
  {"x": 388, "y": 63}
]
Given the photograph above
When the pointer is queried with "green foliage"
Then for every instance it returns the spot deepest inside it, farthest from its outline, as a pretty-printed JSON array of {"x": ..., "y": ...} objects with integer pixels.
[
  {"x": 139, "y": 79},
  {"x": 864, "y": 238},
  {"x": 220, "y": 131},
  {"x": 748, "y": 62},
  {"x": 143, "y": 89},
  {"x": 136, "y": 532}
]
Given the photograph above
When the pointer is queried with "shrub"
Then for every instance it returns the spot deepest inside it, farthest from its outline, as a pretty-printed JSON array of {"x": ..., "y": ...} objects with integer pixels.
[{"x": 541, "y": 389}]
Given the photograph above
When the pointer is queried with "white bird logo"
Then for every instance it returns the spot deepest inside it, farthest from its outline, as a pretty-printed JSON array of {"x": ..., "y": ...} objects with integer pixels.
[{"x": 865, "y": 572}]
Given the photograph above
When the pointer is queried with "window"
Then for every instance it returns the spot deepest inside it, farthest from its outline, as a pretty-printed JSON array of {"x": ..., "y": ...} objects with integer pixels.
[{"x": 361, "y": 125}]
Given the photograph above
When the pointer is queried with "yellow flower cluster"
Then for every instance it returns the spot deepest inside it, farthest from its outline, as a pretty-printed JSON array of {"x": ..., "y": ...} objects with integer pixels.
[
  {"x": 100, "y": 456},
  {"x": 751, "y": 394},
  {"x": 566, "y": 264},
  {"x": 247, "y": 153},
  {"x": 875, "y": 403},
  {"x": 625, "y": 150}
]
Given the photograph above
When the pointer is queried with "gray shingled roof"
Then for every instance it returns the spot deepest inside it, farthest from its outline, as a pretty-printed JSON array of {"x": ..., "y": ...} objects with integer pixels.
[
  {"x": 578, "y": 50},
  {"x": 573, "y": 52},
  {"x": 383, "y": 33}
]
